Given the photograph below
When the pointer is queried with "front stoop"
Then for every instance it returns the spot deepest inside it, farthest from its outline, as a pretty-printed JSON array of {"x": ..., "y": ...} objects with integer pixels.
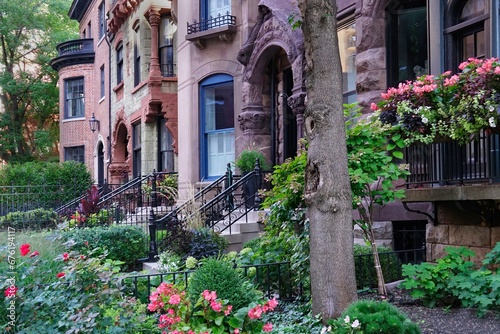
[{"x": 242, "y": 231}]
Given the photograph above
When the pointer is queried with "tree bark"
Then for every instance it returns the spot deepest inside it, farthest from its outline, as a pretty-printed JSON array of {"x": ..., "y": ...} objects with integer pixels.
[{"x": 327, "y": 190}]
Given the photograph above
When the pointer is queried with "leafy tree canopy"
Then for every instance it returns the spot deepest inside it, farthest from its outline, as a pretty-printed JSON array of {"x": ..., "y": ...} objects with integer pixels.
[{"x": 29, "y": 33}]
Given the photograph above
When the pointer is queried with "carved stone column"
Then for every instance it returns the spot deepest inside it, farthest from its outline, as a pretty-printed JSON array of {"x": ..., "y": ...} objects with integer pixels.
[
  {"x": 154, "y": 21},
  {"x": 297, "y": 103},
  {"x": 256, "y": 127}
]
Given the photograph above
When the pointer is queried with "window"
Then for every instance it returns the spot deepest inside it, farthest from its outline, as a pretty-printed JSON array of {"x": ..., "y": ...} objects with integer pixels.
[
  {"x": 89, "y": 30},
  {"x": 102, "y": 21},
  {"x": 214, "y": 8},
  {"x": 137, "y": 57},
  {"x": 406, "y": 41},
  {"x": 75, "y": 153},
  {"x": 167, "y": 41},
  {"x": 103, "y": 87},
  {"x": 217, "y": 125},
  {"x": 74, "y": 105},
  {"x": 119, "y": 64},
  {"x": 136, "y": 149},
  {"x": 466, "y": 32},
  {"x": 347, "y": 48},
  {"x": 166, "y": 160}
]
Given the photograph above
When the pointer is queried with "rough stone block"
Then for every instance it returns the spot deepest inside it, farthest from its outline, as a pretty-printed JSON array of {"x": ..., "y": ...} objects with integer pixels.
[
  {"x": 435, "y": 251},
  {"x": 495, "y": 236},
  {"x": 437, "y": 234},
  {"x": 469, "y": 236}
]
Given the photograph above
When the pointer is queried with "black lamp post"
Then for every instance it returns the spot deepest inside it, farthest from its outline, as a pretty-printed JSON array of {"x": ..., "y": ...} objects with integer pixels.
[{"x": 94, "y": 123}]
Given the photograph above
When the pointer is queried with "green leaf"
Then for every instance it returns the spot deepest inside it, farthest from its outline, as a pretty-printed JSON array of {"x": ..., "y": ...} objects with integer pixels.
[{"x": 398, "y": 154}]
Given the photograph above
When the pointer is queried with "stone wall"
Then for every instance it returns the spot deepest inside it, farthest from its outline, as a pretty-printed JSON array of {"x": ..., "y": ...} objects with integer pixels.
[{"x": 458, "y": 228}]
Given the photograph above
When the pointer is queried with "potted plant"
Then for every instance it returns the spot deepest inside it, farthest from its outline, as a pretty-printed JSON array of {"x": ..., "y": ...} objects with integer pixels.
[
  {"x": 246, "y": 161},
  {"x": 456, "y": 107},
  {"x": 246, "y": 164}
]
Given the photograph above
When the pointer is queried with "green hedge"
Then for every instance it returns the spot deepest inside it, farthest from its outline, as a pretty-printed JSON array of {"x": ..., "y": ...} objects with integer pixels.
[
  {"x": 33, "y": 220},
  {"x": 122, "y": 242}
]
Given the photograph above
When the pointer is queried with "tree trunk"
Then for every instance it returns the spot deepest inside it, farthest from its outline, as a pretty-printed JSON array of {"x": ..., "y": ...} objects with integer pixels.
[{"x": 327, "y": 190}]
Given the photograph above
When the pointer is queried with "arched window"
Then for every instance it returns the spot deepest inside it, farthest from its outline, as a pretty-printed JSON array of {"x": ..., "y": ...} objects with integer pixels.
[
  {"x": 466, "y": 31},
  {"x": 217, "y": 125}
]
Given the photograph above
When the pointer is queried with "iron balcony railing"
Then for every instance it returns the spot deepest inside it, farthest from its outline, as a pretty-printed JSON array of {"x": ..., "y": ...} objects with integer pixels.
[
  {"x": 74, "y": 52},
  {"x": 449, "y": 163},
  {"x": 211, "y": 23}
]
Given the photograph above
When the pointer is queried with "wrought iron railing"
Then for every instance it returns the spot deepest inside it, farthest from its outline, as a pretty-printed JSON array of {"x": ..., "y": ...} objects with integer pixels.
[
  {"x": 211, "y": 23},
  {"x": 85, "y": 45},
  {"x": 449, "y": 163},
  {"x": 273, "y": 279},
  {"x": 391, "y": 262}
]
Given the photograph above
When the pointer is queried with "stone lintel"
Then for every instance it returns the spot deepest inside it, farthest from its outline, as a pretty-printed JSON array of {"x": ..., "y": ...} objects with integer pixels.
[{"x": 454, "y": 193}]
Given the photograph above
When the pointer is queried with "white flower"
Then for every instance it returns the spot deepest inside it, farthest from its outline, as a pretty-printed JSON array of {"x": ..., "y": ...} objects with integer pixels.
[
  {"x": 492, "y": 108},
  {"x": 425, "y": 120},
  {"x": 491, "y": 120},
  {"x": 355, "y": 324},
  {"x": 326, "y": 330},
  {"x": 347, "y": 319}
]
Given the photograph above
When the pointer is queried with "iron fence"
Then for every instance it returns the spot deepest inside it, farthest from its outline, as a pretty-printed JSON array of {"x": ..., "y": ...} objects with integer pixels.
[
  {"x": 449, "y": 163},
  {"x": 273, "y": 279}
]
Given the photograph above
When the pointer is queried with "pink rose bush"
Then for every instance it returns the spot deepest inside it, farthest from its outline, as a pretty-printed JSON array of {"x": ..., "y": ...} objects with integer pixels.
[
  {"x": 209, "y": 315},
  {"x": 456, "y": 106}
]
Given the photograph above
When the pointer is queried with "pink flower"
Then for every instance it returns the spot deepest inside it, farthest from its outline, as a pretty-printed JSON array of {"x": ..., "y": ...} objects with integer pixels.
[
  {"x": 209, "y": 296},
  {"x": 215, "y": 306},
  {"x": 373, "y": 106},
  {"x": 65, "y": 257},
  {"x": 228, "y": 309},
  {"x": 24, "y": 249},
  {"x": 255, "y": 313},
  {"x": 236, "y": 331},
  {"x": 272, "y": 303},
  {"x": 35, "y": 253},
  {"x": 174, "y": 299},
  {"x": 267, "y": 327},
  {"x": 61, "y": 275},
  {"x": 10, "y": 291}
]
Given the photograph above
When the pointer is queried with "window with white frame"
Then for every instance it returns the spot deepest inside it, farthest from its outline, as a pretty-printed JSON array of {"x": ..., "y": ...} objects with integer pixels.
[
  {"x": 102, "y": 21},
  {"x": 167, "y": 42},
  {"x": 74, "y": 100},
  {"x": 119, "y": 64},
  {"x": 75, "y": 153}
]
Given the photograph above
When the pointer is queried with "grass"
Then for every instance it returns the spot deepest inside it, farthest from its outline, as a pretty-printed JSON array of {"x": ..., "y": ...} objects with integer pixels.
[{"x": 46, "y": 243}]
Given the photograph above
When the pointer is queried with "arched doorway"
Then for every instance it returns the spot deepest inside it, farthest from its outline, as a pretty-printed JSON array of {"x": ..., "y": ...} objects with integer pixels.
[{"x": 100, "y": 164}]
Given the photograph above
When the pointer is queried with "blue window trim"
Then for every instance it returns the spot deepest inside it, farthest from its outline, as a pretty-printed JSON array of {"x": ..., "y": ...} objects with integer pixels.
[{"x": 213, "y": 80}]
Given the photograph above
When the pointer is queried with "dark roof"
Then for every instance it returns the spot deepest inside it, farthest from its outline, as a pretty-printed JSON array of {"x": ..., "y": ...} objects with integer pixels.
[{"x": 78, "y": 8}]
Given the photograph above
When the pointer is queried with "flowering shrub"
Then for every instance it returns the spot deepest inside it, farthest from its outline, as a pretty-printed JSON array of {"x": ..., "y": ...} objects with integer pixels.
[
  {"x": 209, "y": 315},
  {"x": 454, "y": 106},
  {"x": 85, "y": 296}
]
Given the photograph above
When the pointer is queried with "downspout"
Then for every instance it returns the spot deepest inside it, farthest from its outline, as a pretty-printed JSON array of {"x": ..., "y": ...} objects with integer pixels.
[{"x": 106, "y": 38}]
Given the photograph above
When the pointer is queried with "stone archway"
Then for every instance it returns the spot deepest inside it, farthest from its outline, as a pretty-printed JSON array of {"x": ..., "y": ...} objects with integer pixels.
[
  {"x": 119, "y": 169},
  {"x": 272, "y": 82}
]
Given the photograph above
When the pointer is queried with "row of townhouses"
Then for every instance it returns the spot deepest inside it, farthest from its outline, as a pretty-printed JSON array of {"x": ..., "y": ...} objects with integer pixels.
[{"x": 186, "y": 85}]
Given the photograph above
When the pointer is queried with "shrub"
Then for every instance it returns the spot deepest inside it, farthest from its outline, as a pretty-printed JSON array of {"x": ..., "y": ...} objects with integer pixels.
[
  {"x": 121, "y": 242},
  {"x": 84, "y": 297},
  {"x": 33, "y": 219},
  {"x": 246, "y": 161},
  {"x": 220, "y": 276},
  {"x": 374, "y": 317},
  {"x": 51, "y": 184},
  {"x": 430, "y": 281},
  {"x": 205, "y": 243},
  {"x": 366, "y": 276}
]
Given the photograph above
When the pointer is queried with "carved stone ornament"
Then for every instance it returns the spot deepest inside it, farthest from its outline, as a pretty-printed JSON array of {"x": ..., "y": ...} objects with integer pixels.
[
  {"x": 246, "y": 51},
  {"x": 297, "y": 103},
  {"x": 254, "y": 121}
]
